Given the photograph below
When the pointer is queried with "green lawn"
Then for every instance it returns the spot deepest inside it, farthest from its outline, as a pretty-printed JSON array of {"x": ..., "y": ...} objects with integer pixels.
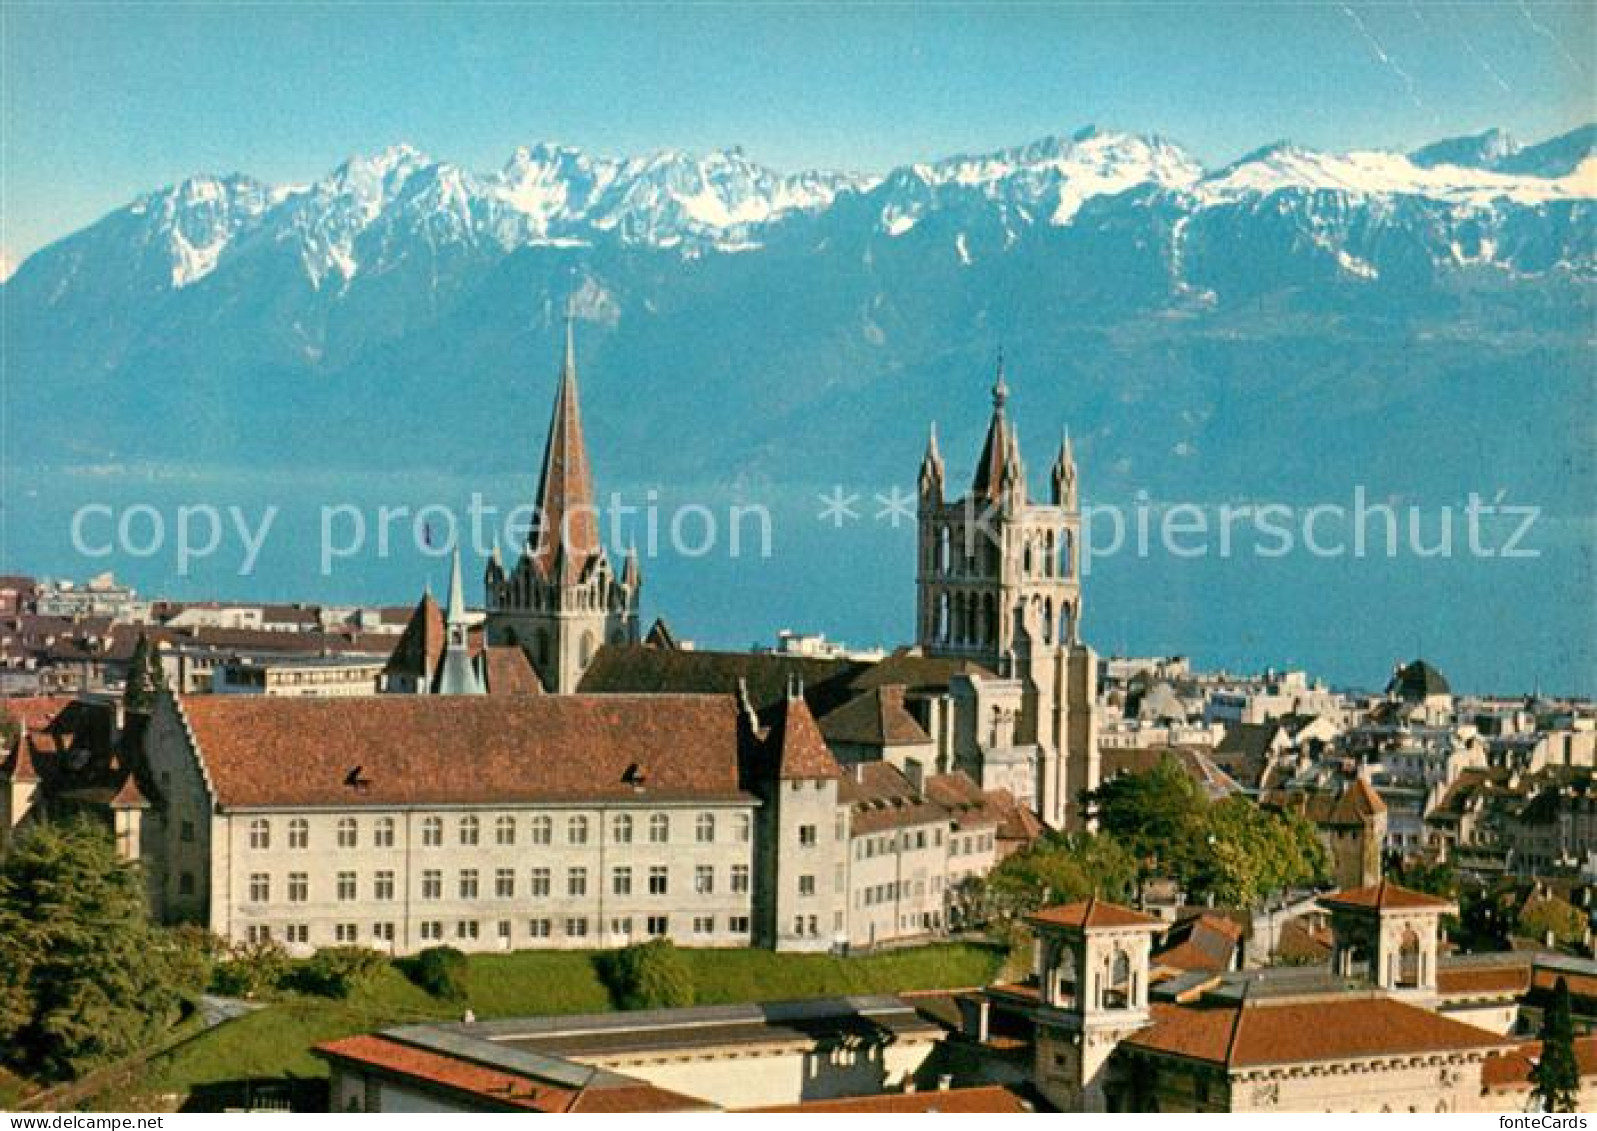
[{"x": 275, "y": 1042}]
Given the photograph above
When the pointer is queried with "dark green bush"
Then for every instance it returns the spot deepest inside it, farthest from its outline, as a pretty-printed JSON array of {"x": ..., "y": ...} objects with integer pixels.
[
  {"x": 338, "y": 971},
  {"x": 440, "y": 970},
  {"x": 650, "y": 975},
  {"x": 256, "y": 969}
]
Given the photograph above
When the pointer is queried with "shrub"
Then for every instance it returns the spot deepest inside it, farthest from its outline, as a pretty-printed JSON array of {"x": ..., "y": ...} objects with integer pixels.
[
  {"x": 649, "y": 975},
  {"x": 441, "y": 971},
  {"x": 338, "y": 971},
  {"x": 190, "y": 955},
  {"x": 257, "y": 969}
]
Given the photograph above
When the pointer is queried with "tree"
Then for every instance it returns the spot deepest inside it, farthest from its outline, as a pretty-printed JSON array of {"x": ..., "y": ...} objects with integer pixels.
[
  {"x": 1154, "y": 814},
  {"x": 10, "y": 729},
  {"x": 1548, "y": 915},
  {"x": 1248, "y": 853},
  {"x": 1556, "y": 1078},
  {"x": 83, "y": 978},
  {"x": 1059, "y": 868},
  {"x": 138, "y": 694},
  {"x": 650, "y": 975}
]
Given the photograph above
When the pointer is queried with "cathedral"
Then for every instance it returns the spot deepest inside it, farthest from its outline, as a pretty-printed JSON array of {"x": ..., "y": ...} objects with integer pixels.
[{"x": 999, "y": 584}]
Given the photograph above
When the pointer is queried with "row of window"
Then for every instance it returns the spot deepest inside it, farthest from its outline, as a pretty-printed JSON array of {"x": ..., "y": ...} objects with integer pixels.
[
  {"x": 890, "y": 893},
  {"x": 870, "y": 847},
  {"x": 970, "y": 843},
  {"x": 432, "y": 930},
  {"x": 656, "y": 880},
  {"x": 469, "y": 830}
]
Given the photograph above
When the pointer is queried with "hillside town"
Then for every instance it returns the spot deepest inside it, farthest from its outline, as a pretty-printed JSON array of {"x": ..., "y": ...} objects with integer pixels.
[{"x": 537, "y": 772}]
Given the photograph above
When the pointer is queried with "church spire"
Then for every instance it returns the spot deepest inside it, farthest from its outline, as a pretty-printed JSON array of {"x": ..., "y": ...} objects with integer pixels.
[
  {"x": 931, "y": 467},
  {"x": 1064, "y": 473},
  {"x": 566, "y": 525},
  {"x": 457, "y": 675},
  {"x": 994, "y": 466}
]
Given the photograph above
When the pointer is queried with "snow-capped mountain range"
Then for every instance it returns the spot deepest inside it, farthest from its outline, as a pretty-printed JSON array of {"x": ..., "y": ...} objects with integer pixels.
[{"x": 368, "y": 209}]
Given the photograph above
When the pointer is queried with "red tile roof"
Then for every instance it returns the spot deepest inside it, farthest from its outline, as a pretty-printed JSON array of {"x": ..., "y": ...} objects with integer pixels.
[
  {"x": 1334, "y": 1029},
  {"x": 875, "y": 718},
  {"x": 989, "y": 1099},
  {"x": 419, "y": 750},
  {"x": 510, "y": 672},
  {"x": 497, "y": 1088},
  {"x": 802, "y": 752},
  {"x": 882, "y": 798},
  {"x": 1480, "y": 981},
  {"x": 1387, "y": 896},
  {"x": 1510, "y": 1070},
  {"x": 1092, "y": 913}
]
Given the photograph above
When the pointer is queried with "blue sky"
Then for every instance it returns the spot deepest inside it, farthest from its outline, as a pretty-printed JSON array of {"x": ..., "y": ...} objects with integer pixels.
[{"x": 103, "y": 102}]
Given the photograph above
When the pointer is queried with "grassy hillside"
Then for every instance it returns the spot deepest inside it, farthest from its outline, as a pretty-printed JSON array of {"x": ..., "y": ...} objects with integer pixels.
[{"x": 274, "y": 1042}]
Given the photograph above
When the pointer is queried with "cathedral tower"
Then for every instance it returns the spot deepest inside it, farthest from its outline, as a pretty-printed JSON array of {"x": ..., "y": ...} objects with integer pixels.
[
  {"x": 562, "y": 601},
  {"x": 999, "y": 585}
]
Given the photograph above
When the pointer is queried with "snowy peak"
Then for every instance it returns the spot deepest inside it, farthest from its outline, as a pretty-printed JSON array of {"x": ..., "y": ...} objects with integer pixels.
[
  {"x": 376, "y": 210},
  {"x": 1477, "y": 151},
  {"x": 1376, "y": 173}
]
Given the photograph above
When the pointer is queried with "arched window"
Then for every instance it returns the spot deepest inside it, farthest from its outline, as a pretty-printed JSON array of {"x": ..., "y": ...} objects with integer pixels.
[
  {"x": 348, "y": 832},
  {"x": 470, "y": 830},
  {"x": 704, "y": 828},
  {"x": 505, "y": 830},
  {"x": 432, "y": 832},
  {"x": 577, "y": 830},
  {"x": 299, "y": 833},
  {"x": 659, "y": 829},
  {"x": 542, "y": 829},
  {"x": 942, "y": 618},
  {"x": 383, "y": 834},
  {"x": 945, "y": 556},
  {"x": 1118, "y": 990},
  {"x": 621, "y": 828},
  {"x": 1067, "y": 556},
  {"x": 1408, "y": 961},
  {"x": 260, "y": 833},
  {"x": 1048, "y": 621}
]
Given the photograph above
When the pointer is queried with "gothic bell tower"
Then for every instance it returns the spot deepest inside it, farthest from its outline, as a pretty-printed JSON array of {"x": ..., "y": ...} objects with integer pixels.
[
  {"x": 999, "y": 584},
  {"x": 562, "y": 601}
]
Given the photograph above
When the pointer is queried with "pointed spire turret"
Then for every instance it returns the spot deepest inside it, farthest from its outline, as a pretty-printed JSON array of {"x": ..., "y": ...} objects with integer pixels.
[
  {"x": 631, "y": 572},
  {"x": 566, "y": 519},
  {"x": 992, "y": 470},
  {"x": 1063, "y": 477},
  {"x": 931, "y": 468},
  {"x": 459, "y": 675}
]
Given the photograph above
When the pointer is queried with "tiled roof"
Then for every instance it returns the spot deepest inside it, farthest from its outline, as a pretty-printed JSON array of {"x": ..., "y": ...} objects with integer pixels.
[
  {"x": 1510, "y": 1070},
  {"x": 499, "y": 1088},
  {"x": 1298, "y": 942},
  {"x": 1467, "y": 981},
  {"x": 404, "y": 750},
  {"x": 510, "y": 672},
  {"x": 1017, "y": 825},
  {"x": 1091, "y": 913},
  {"x": 1204, "y": 942},
  {"x": 966, "y": 803},
  {"x": 801, "y": 751},
  {"x": 421, "y": 644},
  {"x": 642, "y": 669},
  {"x": 1386, "y": 896},
  {"x": 989, "y": 1099},
  {"x": 1295, "y": 1032},
  {"x": 913, "y": 671},
  {"x": 882, "y": 798},
  {"x": 876, "y": 717}
]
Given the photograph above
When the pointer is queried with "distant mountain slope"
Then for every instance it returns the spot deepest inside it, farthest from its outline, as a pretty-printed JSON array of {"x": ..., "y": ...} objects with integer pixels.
[{"x": 1290, "y": 323}]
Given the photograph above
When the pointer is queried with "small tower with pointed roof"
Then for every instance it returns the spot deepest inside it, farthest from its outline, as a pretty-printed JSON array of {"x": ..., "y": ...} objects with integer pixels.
[
  {"x": 1092, "y": 990},
  {"x": 458, "y": 676},
  {"x": 1389, "y": 935},
  {"x": 562, "y": 601},
  {"x": 998, "y": 584}
]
